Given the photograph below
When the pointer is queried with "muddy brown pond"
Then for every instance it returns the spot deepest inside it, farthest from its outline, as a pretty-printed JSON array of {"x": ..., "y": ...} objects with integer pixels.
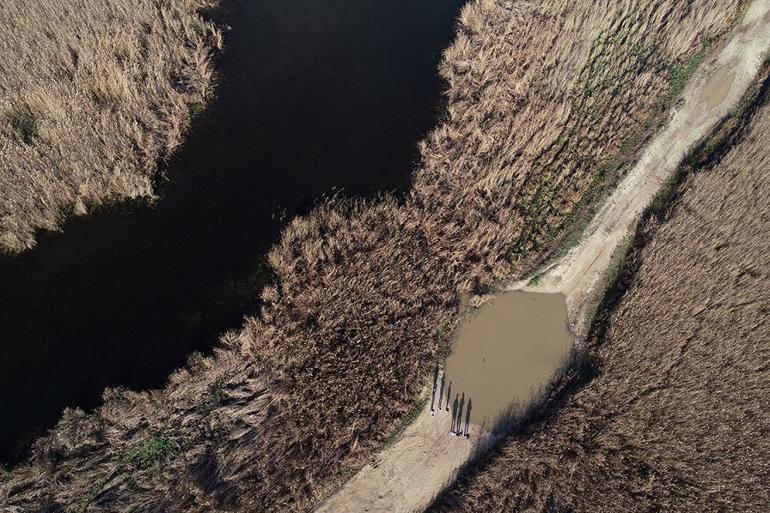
[
  {"x": 717, "y": 88},
  {"x": 506, "y": 352}
]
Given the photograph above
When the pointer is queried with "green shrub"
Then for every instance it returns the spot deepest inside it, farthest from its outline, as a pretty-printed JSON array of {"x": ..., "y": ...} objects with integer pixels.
[
  {"x": 682, "y": 72},
  {"x": 151, "y": 451},
  {"x": 196, "y": 109}
]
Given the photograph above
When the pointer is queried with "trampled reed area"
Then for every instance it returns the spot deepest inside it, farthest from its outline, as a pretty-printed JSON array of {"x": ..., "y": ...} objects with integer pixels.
[{"x": 545, "y": 104}]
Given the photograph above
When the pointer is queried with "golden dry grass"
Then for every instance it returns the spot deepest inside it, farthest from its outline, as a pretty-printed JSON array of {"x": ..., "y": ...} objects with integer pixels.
[
  {"x": 366, "y": 293},
  {"x": 676, "y": 418},
  {"x": 92, "y": 94}
]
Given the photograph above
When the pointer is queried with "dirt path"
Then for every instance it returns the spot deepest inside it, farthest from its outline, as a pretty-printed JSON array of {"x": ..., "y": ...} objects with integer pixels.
[
  {"x": 715, "y": 91},
  {"x": 408, "y": 474}
]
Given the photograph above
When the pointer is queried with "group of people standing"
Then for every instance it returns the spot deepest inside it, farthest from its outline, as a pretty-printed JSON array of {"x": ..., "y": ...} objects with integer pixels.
[{"x": 458, "y": 405}]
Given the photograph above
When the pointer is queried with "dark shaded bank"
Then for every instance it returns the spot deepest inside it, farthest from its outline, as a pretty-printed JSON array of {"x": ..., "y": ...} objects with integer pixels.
[{"x": 314, "y": 97}]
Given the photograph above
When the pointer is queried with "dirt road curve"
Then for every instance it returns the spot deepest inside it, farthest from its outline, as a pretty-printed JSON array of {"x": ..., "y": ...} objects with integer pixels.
[
  {"x": 408, "y": 474},
  {"x": 714, "y": 92}
]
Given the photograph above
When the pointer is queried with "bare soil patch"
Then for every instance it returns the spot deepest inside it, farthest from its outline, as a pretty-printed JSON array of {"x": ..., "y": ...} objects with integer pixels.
[{"x": 715, "y": 92}]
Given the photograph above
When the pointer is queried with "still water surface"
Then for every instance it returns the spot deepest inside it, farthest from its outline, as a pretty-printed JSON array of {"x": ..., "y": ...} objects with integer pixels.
[
  {"x": 314, "y": 97},
  {"x": 506, "y": 353}
]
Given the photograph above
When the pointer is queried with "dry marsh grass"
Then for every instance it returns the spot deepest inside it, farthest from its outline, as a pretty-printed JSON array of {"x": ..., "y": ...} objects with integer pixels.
[
  {"x": 676, "y": 417},
  {"x": 583, "y": 84},
  {"x": 367, "y": 292},
  {"x": 92, "y": 94}
]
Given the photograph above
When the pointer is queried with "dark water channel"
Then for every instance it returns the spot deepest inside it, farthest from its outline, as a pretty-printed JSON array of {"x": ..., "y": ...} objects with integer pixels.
[{"x": 314, "y": 96}]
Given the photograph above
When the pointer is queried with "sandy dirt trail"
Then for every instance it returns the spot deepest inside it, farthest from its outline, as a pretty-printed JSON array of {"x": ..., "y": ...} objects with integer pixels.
[
  {"x": 407, "y": 475},
  {"x": 714, "y": 92}
]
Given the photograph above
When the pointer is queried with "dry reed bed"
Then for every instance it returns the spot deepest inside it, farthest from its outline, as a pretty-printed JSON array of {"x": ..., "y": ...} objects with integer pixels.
[
  {"x": 550, "y": 105},
  {"x": 678, "y": 415},
  {"x": 92, "y": 94},
  {"x": 367, "y": 292}
]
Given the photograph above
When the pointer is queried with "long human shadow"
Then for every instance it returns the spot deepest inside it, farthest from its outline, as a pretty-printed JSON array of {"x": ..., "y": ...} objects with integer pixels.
[
  {"x": 441, "y": 391},
  {"x": 468, "y": 417},
  {"x": 454, "y": 412},
  {"x": 433, "y": 392},
  {"x": 457, "y": 428}
]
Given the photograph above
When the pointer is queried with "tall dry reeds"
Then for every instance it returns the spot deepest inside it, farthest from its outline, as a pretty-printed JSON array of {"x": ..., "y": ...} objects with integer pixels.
[
  {"x": 92, "y": 94},
  {"x": 367, "y": 291}
]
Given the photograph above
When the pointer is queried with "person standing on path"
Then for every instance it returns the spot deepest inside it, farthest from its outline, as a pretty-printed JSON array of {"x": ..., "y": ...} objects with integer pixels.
[{"x": 448, "y": 396}]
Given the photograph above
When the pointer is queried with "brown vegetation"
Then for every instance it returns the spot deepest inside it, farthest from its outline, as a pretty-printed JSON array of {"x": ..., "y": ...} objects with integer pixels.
[
  {"x": 541, "y": 100},
  {"x": 677, "y": 417},
  {"x": 92, "y": 94}
]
